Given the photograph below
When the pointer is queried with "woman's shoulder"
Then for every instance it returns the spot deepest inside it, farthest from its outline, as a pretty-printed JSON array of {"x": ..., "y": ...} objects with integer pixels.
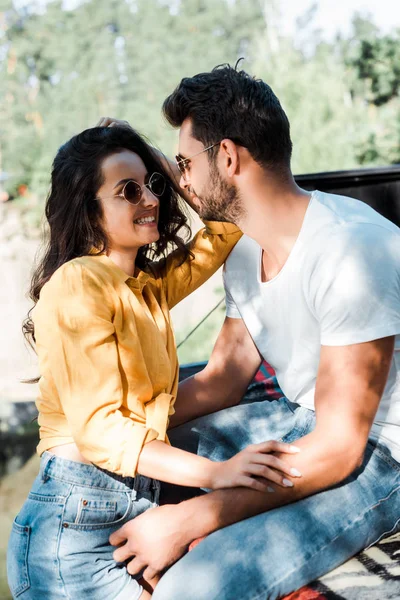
[{"x": 79, "y": 275}]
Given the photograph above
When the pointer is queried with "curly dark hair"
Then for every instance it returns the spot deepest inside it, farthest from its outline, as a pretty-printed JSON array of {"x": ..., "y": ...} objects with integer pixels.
[
  {"x": 227, "y": 103},
  {"x": 74, "y": 214}
]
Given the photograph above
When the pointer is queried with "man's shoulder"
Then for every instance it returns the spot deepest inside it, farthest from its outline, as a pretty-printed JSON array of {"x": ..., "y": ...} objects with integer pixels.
[
  {"x": 245, "y": 250},
  {"x": 350, "y": 213},
  {"x": 344, "y": 222}
]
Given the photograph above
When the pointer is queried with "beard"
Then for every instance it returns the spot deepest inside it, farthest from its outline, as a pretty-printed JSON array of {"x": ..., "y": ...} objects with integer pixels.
[{"x": 221, "y": 201}]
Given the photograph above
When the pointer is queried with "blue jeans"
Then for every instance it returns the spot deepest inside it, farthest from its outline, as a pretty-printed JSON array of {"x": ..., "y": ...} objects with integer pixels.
[
  {"x": 272, "y": 554},
  {"x": 59, "y": 548}
]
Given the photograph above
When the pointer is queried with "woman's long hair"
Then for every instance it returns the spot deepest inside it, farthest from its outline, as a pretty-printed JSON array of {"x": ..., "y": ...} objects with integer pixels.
[{"x": 74, "y": 215}]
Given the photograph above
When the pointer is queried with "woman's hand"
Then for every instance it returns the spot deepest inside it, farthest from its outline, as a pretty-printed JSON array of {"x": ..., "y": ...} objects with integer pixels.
[
  {"x": 111, "y": 122},
  {"x": 254, "y": 467}
]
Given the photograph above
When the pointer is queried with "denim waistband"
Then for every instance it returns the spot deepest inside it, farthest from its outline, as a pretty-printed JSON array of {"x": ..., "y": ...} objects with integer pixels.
[{"x": 56, "y": 467}]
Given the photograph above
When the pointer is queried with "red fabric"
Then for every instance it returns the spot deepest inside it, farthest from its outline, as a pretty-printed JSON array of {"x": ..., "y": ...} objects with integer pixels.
[
  {"x": 305, "y": 593},
  {"x": 195, "y": 542}
]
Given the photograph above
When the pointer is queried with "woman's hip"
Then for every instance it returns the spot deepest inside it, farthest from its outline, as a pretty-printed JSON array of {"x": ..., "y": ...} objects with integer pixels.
[{"x": 60, "y": 537}]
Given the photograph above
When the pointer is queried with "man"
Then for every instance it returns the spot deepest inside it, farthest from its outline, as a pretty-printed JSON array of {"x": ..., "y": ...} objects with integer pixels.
[{"x": 314, "y": 288}]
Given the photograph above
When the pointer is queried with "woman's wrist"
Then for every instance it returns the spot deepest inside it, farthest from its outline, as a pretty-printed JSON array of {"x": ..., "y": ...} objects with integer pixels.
[{"x": 212, "y": 472}]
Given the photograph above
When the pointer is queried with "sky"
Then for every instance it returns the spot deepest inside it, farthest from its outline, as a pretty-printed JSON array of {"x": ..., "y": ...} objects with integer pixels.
[{"x": 336, "y": 15}]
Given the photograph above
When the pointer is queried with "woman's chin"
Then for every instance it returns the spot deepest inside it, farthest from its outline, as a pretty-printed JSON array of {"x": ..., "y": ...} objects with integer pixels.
[{"x": 150, "y": 237}]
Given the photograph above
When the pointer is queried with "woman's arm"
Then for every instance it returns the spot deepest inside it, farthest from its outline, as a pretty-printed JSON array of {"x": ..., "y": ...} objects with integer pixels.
[
  {"x": 210, "y": 248},
  {"x": 76, "y": 338}
]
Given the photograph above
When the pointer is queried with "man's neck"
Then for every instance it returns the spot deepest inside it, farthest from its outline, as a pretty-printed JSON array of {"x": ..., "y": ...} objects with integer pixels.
[{"x": 274, "y": 216}]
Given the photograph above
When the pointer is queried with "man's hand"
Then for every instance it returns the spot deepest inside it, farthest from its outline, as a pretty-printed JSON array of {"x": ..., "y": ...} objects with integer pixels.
[{"x": 154, "y": 539}]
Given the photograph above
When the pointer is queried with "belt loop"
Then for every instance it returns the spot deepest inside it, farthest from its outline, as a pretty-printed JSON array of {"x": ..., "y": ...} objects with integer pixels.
[
  {"x": 46, "y": 468},
  {"x": 156, "y": 485},
  {"x": 136, "y": 482}
]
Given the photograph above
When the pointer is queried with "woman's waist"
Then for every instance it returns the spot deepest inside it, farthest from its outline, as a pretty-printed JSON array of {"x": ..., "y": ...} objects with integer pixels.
[
  {"x": 61, "y": 464},
  {"x": 69, "y": 451}
]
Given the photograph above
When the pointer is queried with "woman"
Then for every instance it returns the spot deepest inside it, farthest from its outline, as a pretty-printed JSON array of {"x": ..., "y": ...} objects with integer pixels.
[{"x": 108, "y": 365}]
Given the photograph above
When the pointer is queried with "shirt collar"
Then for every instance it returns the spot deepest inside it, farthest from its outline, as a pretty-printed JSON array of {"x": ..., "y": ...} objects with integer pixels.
[{"x": 134, "y": 282}]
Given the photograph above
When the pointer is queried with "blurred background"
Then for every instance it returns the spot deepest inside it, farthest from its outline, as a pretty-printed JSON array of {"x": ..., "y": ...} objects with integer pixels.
[{"x": 63, "y": 65}]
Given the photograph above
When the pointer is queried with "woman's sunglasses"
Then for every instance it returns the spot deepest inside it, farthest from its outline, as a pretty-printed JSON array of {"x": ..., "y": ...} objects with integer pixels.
[{"x": 132, "y": 191}]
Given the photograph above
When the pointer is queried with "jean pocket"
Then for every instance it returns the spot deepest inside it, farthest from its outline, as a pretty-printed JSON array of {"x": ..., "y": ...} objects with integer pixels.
[
  {"x": 95, "y": 509},
  {"x": 17, "y": 559}
]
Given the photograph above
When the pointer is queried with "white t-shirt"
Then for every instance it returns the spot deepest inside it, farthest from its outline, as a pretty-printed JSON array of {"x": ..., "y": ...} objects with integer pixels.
[{"x": 340, "y": 285}]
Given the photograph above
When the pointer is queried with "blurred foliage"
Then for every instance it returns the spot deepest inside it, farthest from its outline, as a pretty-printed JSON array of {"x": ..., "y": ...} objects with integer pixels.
[
  {"x": 198, "y": 346},
  {"x": 61, "y": 69}
]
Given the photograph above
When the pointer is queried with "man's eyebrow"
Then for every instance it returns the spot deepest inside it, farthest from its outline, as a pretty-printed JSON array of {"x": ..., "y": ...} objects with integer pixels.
[{"x": 181, "y": 157}]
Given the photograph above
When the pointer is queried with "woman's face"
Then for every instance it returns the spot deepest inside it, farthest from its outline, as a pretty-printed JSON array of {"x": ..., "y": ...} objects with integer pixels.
[{"x": 128, "y": 226}]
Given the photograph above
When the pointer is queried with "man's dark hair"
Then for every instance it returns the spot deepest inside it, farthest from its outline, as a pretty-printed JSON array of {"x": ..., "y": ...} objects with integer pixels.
[{"x": 227, "y": 103}]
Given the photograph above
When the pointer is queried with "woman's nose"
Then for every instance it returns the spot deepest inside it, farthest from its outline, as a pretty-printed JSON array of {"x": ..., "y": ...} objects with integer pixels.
[{"x": 148, "y": 198}]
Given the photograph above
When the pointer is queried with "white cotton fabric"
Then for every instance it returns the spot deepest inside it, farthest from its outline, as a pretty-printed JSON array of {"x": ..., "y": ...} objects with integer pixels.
[{"x": 340, "y": 285}]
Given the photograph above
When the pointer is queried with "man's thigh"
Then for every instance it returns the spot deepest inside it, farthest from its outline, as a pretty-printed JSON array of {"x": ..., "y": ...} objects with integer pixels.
[
  {"x": 275, "y": 553},
  {"x": 220, "y": 435}
]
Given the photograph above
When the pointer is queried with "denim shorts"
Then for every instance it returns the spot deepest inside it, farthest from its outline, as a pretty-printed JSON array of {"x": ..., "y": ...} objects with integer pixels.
[{"x": 59, "y": 548}]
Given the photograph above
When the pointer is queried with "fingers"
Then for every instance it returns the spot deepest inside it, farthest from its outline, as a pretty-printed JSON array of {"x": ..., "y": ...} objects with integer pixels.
[
  {"x": 275, "y": 463},
  {"x": 151, "y": 575},
  {"x": 254, "y": 484},
  {"x": 270, "y": 475},
  {"x": 104, "y": 122},
  {"x": 119, "y": 536},
  {"x": 274, "y": 446},
  {"x": 135, "y": 566},
  {"x": 111, "y": 122},
  {"x": 122, "y": 553}
]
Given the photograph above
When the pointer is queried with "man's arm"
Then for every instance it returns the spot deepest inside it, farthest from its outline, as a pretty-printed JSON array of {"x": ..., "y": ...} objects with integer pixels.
[
  {"x": 223, "y": 382},
  {"x": 350, "y": 383}
]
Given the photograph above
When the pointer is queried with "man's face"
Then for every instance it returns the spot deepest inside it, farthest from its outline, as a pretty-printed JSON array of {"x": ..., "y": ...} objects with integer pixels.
[{"x": 215, "y": 198}]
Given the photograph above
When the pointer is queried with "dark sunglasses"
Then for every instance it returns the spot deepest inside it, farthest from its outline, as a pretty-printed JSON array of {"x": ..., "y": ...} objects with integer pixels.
[{"x": 132, "y": 191}]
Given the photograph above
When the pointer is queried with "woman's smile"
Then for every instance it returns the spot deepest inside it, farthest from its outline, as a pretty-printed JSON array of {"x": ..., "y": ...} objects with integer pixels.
[{"x": 148, "y": 219}]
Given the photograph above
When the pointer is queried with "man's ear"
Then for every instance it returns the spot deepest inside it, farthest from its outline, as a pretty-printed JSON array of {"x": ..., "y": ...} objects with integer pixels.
[{"x": 229, "y": 159}]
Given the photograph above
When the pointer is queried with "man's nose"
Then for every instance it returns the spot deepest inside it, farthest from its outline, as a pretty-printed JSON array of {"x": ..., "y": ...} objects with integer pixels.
[{"x": 183, "y": 182}]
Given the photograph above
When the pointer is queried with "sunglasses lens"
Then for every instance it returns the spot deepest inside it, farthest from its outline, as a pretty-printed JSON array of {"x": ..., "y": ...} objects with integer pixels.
[
  {"x": 132, "y": 192},
  {"x": 157, "y": 184},
  {"x": 180, "y": 165}
]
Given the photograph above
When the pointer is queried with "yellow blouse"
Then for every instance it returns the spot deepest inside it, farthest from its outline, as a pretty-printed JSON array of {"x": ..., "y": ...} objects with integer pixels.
[{"x": 107, "y": 354}]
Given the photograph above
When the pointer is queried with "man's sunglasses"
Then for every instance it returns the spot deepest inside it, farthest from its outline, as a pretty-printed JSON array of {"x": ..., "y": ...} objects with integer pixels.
[
  {"x": 182, "y": 163},
  {"x": 132, "y": 191}
]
